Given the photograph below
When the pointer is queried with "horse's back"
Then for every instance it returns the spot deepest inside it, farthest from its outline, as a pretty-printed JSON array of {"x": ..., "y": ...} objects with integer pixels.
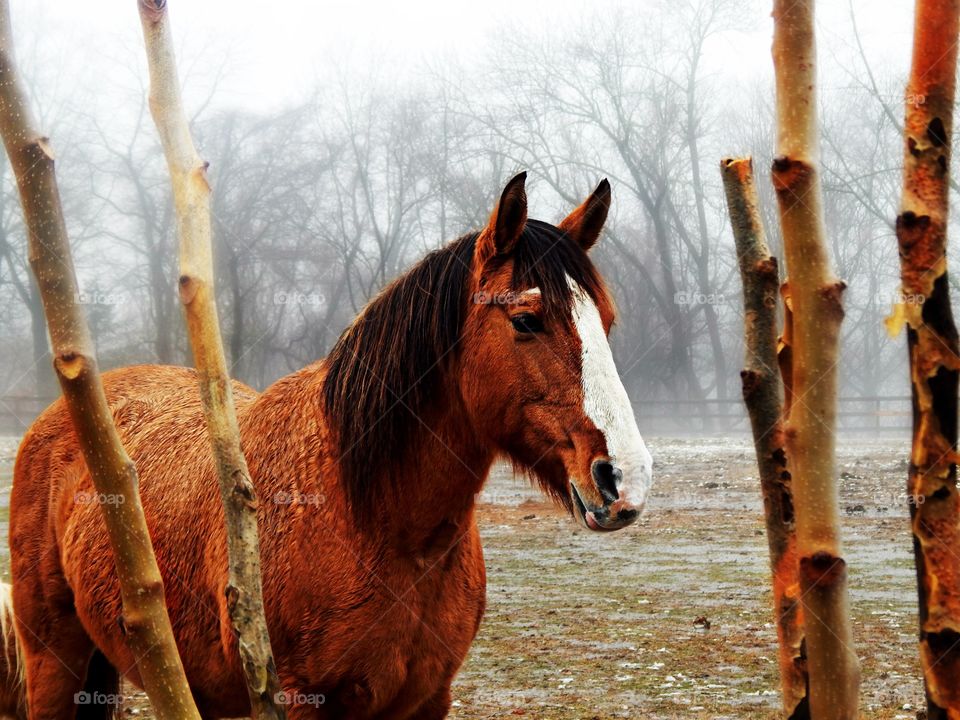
[
  {"x": 144, "y": 399},
  {"x": 60, "y": 549},
  {"x": 157, "y": 412},
  {"x": 49, "y": 461}
]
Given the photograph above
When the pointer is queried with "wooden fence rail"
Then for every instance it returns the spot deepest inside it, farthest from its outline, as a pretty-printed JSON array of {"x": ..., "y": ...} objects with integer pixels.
[
  {"x": 886, "y": 414},
  {"x": 883, "y": 414}
]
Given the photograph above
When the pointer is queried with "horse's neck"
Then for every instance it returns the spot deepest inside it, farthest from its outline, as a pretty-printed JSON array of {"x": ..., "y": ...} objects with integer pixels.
[
  {"x": 431, "y": 494},
  {"x": 438, "y": 484}
]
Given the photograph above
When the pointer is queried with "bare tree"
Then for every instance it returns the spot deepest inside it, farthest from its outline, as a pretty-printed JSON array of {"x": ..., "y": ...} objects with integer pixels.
[
  {"x": 146, "y": 624},
  {"x": 933, "y": 347},
  {"x": 817, "y": 313},
  {"x": 191, "y": 193},
  {"x": 763, "y": 396},
  {"x": 146, "y": 224}
]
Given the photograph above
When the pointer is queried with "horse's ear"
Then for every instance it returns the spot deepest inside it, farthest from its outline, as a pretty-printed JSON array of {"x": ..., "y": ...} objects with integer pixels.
[
  {"x": 585, "y": 223},
  {"x": 507, "y": 221}
]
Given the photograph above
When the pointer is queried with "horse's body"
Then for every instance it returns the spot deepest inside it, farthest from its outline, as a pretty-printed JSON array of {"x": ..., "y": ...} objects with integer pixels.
[
  {"x": 347, "y": 622},
  {"x": 366, "y": 466}
]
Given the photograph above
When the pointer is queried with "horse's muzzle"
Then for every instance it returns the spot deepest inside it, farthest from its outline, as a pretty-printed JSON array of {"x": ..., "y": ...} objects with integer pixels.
[{"x": 617, "y": 510}]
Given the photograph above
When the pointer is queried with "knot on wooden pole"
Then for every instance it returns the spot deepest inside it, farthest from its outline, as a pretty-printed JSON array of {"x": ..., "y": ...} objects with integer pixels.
[
  {"x": 832, "y": 295},
  {"x": 153, "y": 10},
  {"x": 822, "y": 569},
  {"x": 788, "y": 173},
  {"x": 70, "y": 364},
  {"x": 188, "y": 289}
]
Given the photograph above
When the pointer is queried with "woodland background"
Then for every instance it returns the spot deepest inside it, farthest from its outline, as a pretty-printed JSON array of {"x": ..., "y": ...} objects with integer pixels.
[{"x": 321, "y": 199}]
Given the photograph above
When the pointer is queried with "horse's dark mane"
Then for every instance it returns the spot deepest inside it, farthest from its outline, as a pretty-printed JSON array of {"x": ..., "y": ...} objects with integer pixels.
[{"x": 384, "y": 369}]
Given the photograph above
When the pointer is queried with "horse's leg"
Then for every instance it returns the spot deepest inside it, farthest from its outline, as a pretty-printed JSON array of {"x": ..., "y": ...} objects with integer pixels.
[
  {"x": 308, "y": 712},
  {"x": 56, "y": 669},
  {"x": 436, "y": 708},
  {"x": 309, "y": 703},
  {"x": 56, "y": 649}
]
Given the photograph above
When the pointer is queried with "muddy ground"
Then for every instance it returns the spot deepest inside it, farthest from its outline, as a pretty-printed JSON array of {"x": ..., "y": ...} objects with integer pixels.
[{"x": 586, "y": 626}]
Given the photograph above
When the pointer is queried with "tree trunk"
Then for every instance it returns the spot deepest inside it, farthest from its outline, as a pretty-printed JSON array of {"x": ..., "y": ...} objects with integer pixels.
[
  {"x": 237, "y": 335},
  {"x": 44, "y": 383},
  {"x": 702, "y": 259},
  {"x": 145, "y": 622},
  {"x": 763, "y": 397},
  {"x": 933, "y": 350},
  {"x": 653, "y": 201},
  {"x": 816, "y": 297},
  {"x": 162, "y": 309},
  {"x": 191, "y": 193}
]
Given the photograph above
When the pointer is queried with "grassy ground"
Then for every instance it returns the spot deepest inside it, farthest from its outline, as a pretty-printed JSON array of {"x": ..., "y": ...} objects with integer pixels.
[{"x": 587, "y": 626}]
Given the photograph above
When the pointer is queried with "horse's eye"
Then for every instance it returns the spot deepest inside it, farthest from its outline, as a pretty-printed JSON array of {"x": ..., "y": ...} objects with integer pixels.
[{"x": 526, "y": 323}]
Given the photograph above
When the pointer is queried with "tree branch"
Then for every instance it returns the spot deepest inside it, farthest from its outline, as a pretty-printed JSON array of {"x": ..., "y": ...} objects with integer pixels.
[
  {"x": 763, "y": 396},
  {"x": 191, "y": 193}
]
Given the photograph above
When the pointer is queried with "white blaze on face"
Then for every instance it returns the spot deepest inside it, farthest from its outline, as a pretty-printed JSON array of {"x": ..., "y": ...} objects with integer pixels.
[{"x": 606, "y": 403}]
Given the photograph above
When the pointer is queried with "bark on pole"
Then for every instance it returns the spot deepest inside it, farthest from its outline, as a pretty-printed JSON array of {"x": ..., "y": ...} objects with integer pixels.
[
  {"x": 763, "y": 396},
  {"x": 145, "y": 621},
  {"x": 924, "y": 307},
  {"x": 816, "y": 298},
  {"x": 785, "y": 349},
  {"x": 191, "y": 193}
]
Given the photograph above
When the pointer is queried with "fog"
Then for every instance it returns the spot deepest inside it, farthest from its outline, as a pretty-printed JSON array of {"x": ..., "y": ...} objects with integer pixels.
[{"x": 348, "y": 139}]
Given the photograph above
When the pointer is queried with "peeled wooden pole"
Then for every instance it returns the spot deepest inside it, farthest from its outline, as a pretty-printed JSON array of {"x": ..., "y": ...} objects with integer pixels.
[
  {"x": 816, "y": 297},
  {"x": 145, "y": 622},
  {"x": 763, "y": 396},
  {"x": 191, "y": 194},
  {"x": 932, "y": 345}
]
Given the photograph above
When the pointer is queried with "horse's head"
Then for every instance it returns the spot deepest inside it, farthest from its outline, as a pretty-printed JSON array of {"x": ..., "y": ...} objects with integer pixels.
[{"x": 538, "y": 376}]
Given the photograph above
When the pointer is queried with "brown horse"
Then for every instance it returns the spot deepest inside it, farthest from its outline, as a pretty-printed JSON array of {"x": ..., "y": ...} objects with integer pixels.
[
  {"x": 367, "y": 465},
  {"x": 12, "y": 699}
]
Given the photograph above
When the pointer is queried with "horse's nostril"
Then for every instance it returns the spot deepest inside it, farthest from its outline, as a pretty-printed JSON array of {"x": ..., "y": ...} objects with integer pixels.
[
  {"x": 627, "y": 516},
  {"x": 607, "y": 477}
]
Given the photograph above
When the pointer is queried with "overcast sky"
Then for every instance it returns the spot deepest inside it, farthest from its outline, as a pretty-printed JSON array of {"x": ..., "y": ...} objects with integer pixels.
[{"x": 272, "y": 52}]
